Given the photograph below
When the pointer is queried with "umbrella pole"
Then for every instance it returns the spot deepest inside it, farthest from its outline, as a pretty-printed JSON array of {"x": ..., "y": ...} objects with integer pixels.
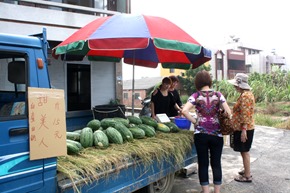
[{"x": 133, "y": 89}]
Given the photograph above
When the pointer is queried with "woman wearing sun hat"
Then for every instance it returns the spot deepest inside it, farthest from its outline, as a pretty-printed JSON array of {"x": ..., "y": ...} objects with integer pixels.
[{"x": 243, "y": 120}]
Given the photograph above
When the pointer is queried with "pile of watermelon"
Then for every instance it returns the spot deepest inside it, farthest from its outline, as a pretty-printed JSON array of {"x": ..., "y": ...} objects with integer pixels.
[{"x": 116, "y": 130}]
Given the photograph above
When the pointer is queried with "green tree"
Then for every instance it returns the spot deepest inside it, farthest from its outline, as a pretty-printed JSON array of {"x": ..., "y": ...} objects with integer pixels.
[{"x": 188, "y": 80}]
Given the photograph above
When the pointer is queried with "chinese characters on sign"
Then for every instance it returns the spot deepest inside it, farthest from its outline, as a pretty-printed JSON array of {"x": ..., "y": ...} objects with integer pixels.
[{"x": 47, "y": 123}]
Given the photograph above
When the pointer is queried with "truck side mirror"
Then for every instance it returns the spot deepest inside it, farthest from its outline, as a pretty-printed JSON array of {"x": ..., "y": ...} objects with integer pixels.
[{"x": 16, "y": 72}]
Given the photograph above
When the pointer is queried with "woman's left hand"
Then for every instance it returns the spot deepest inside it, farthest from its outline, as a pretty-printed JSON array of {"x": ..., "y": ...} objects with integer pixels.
[{"x": 244, "y": 136}]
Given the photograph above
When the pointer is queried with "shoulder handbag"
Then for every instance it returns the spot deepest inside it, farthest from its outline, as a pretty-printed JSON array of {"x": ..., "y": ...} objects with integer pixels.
[{"x": 224, "y": 120}]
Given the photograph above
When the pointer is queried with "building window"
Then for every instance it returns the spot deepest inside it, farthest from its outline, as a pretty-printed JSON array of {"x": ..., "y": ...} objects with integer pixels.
[
  {"x": 136, "y": 96},
  {"x": 125, "y": 95},
  {"x": 85, "y": 3},
  {"x": 248, "y": 68},
  {"x": 107, "y": 4},
  {"x": 101, "y": 4},
  {"x": 78, "y": 87},
  {"x": 171, "y": 70},
  {"x": 219, "y": 64}
]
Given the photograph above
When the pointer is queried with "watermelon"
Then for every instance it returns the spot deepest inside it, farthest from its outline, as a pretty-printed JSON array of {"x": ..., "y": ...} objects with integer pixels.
[
  {"x": 94, "y": 124},
  {"x": 78, "y": 131},
  {"x": 149, "y": 121},
  {"x": 78, "y": 144},
  {"x": 134, "y": 120},
  {"x": 125, "y": 132},
  {"x": 163, "y": 128},
  {"x": 149, "y": 131},
  {"x": 172, "y": 126},
  {"x": 107, "y": 122},
  {"x": 72, "y": 149},
  {"x": 132, "y": 125},
  {"x": 86, "y": 137},
  {"x": 114, "y": 135},
  {"x": 122, "y": 120},
  {"x": 73, "y": 136},
  {"x": 100, "y": 139},
  {"x": 137, "y": 132}
]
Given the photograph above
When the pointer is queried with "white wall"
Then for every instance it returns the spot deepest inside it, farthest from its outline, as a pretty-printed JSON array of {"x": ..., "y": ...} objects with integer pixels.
[
  {"x": 24, "y": 20},
  {"x": 103, "y": 87},
  {"x": 57, "y": 74},
  {"x": 103, "y": 79}
]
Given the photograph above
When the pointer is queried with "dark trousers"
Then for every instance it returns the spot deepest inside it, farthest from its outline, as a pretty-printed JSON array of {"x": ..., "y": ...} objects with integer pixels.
[{"x": 209, "y": 145}]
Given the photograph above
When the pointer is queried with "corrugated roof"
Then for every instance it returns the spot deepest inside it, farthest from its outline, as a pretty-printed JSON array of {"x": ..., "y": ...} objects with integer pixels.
[{"x": 143, "y": 83}]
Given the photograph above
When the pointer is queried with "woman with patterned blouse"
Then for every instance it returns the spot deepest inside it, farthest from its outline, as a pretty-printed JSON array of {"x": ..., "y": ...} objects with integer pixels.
[
  {"x": 208, "y": 139},
  {"x": 243, "y": 120}
]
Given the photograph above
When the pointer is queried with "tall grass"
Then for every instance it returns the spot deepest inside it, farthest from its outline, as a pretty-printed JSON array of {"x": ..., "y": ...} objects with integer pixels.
[
  {"x": 271, "y": 91},
  {"x": 266, "y": 120},
  {"x": 272, "y": 96},
  {"x": 227, "y": 90},
  {"x": 272, "y": 87}
]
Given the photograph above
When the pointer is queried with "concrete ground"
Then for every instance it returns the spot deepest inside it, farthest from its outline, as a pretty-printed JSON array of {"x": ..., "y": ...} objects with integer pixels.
[{"x": 270, "y": 166}]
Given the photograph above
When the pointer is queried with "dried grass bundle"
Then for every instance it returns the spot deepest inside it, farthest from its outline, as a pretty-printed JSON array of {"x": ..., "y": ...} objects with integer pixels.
[{"x": 92, "y": 163}]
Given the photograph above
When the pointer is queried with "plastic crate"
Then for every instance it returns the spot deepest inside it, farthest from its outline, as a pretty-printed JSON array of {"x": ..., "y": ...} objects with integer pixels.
[
  {"x": 109, "y": 111},
  {"x": 182, "y": 123}
]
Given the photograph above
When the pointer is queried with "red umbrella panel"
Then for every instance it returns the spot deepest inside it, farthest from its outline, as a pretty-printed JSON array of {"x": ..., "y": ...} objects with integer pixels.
[{"x": 138, "y": 39}]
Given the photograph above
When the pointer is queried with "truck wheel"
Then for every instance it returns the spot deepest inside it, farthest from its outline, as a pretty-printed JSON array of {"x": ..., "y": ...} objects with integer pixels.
[{"x": 163, "y": 185}]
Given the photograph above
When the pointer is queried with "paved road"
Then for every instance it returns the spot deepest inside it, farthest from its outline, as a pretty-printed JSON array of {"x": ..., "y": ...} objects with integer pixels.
[{"x": 270, "y": 162}]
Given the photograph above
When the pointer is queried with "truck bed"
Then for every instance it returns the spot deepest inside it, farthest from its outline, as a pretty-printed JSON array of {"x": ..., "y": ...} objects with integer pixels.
[{"x": 130, "y": 174}]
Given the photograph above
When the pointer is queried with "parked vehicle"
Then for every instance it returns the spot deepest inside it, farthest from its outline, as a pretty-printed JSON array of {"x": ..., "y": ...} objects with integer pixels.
[
  {"x": 145, "y": 111},
  {"x": 23, "y": 64}
]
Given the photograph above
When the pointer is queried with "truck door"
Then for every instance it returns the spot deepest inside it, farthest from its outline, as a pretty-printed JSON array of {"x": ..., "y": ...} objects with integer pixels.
[{"x": 17, "y": 172}]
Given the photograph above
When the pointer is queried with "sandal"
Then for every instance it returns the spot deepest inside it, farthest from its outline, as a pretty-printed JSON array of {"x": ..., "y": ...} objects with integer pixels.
[
  {"x": 242, "y": 172},
  {"x": 243, "y": 179}
]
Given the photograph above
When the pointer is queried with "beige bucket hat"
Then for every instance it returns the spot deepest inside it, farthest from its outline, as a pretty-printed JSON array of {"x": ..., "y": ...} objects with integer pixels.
[{"x": 241, "y": 81}]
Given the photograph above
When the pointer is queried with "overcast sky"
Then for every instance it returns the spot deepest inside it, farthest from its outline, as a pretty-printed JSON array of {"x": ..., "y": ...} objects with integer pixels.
[{"x": 263, "y": 24}]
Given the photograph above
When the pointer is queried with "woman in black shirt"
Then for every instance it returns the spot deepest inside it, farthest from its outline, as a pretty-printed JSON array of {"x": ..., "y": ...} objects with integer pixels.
[
  {"x": 174, "y": 110},
  {"x": 161, "y": 99}
]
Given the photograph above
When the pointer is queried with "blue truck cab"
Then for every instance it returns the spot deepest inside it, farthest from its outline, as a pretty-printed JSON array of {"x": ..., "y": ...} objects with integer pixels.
[
  {"x": 19, "y": 70},
  {"x": 23, "y": 64}
]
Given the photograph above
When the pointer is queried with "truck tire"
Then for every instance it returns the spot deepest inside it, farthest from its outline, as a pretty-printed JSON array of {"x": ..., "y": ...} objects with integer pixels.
[{"x": 163, "y": 185}]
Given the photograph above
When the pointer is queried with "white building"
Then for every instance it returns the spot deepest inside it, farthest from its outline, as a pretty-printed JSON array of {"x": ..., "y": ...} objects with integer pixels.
[
  {"x": 236, "y": 57},
  {"x": 82, "y": 81}
]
